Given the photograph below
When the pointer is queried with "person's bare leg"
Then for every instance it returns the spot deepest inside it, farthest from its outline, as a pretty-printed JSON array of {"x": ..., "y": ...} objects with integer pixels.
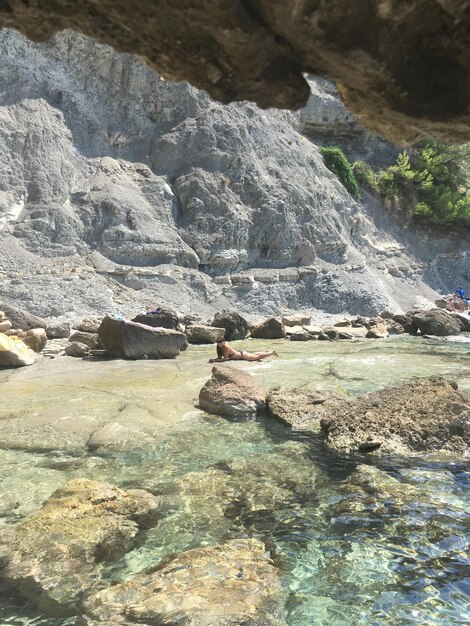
[{"x": 257, "y": 356}]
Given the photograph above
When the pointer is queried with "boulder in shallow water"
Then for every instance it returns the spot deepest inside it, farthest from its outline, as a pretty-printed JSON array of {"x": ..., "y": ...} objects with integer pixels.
[
  {"x": 223, "y": 585},
  {"x": 437, "y": 322},
  {"x": 235, "y": 326},
  {"x": 270, "y": 329},
  {"x": 15, "y": 353},
  {"x": 131, "y": 340},
  {"x": 419, "y": 416},
  {"x": 232, "y": 392},
  {"x": 88, "y": 325},
  {"x": 54, "y": 555}
]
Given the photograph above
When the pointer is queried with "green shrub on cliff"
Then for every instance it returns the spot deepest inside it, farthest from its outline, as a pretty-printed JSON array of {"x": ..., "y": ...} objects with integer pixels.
[
  {"x": 337, "y": 163},
  {"x": 431, "y": 182}
]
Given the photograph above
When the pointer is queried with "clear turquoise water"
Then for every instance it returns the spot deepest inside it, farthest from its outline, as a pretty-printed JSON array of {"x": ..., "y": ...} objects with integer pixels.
[{"x": 391, "y": 549}]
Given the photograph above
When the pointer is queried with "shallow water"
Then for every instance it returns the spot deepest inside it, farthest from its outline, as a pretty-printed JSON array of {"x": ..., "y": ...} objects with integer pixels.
[{"x": 348, "y": 554}]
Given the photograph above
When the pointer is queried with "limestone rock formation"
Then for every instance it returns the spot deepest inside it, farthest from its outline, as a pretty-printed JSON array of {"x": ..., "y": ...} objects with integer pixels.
[
  {"x": 163, "y": 317},
  {"x": 131, "y": 340},
  {"x": 14, "y": 352},
  {"x": 236, "y": 327},
  {"x": 437, "y": 322},
  {"x": 299, "y": 408},
  {"x": 53, "y": 556},
  {"x": 402, "y": 71},
  {"x": 223, "y": 585},
  {"x": 270, "y": 329},
  {"x": 419, "y": 416},
  {"x": 198, "y": 333},
  {"x": 232, "y": 392}
]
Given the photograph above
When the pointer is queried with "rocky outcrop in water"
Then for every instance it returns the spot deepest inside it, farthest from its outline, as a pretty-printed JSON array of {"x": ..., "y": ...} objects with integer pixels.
[
  {"x": 403, "y": 72},
  {"x": 437, "y": 322},
  {"x": 300, "y": 408},
  {"x": 232, "y": 392},
  {"x": 420, "y": 416},
  {"x": 54, "y": 555}
]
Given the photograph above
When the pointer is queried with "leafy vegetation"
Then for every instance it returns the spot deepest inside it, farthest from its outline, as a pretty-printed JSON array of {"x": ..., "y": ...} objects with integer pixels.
[
  {"x": 337, "y": 163},
  {"x": 431, "y": 182}
]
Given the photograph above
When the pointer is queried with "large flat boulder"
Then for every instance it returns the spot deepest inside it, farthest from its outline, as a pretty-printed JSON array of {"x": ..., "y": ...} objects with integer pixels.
[
  {"x": 54, "y": 555},
  {"x": 423, "y": 415},
  {"x": 437, "y": 322},
  {"x": 130, "y": 340},
  {"x": 223, "y": 585},
  {"x": 232, "y": 392}
]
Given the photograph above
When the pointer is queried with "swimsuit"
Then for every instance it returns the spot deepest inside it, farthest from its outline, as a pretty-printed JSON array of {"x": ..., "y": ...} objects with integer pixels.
[{"x": 233, "y": 358}]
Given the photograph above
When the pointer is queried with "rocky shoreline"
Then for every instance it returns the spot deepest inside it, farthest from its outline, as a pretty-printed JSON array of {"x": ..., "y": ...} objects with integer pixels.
[{"x": 161, "y": 333}]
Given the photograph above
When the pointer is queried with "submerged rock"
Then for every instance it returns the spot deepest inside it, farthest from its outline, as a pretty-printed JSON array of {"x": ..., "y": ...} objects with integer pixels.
[
  {"x": 135, "y": 341},
  {"x": 54, "y": 555},
  {"x": 224, "y": 585},
  {"x": 232, "y": 392},
  {"x": 419, "y": 416},
  {"x": 299, "y": 408}
]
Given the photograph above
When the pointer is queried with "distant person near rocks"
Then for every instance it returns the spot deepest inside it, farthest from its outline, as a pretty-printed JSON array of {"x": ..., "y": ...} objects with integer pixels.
[
  {"x": 459, "y": 300},
  {"x": 225, "y": 352}
]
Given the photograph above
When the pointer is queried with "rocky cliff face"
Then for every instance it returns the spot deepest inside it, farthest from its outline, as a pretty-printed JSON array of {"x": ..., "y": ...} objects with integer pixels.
[{"x": 121, "y": 190}]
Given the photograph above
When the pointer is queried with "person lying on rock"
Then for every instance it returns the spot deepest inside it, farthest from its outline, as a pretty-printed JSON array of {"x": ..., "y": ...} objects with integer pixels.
[{"x": 225, "y": 352}]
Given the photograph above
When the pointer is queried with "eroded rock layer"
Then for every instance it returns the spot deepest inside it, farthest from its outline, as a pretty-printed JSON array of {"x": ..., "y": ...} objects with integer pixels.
[{"x": 403, "y": 68}]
